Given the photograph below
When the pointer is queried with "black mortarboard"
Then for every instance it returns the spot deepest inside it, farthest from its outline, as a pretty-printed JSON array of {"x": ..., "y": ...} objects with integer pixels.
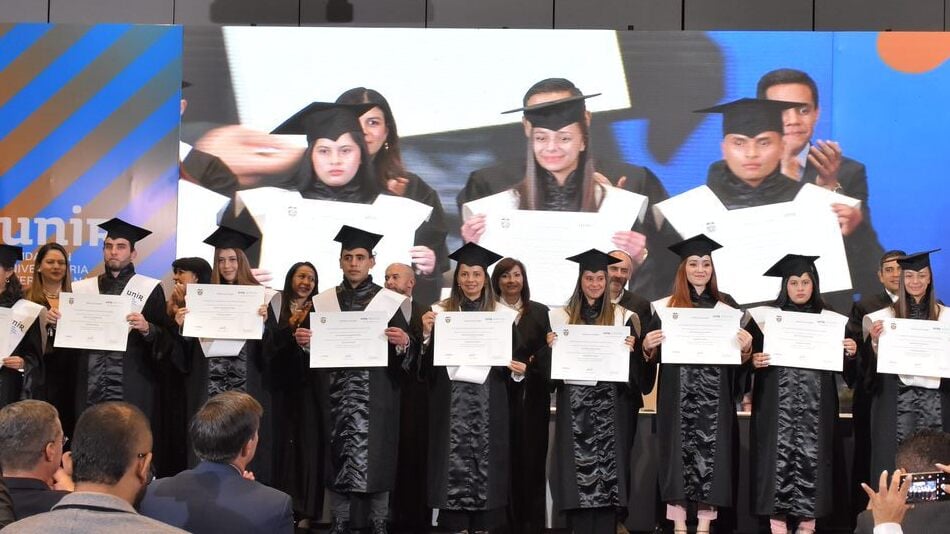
[
  {"x": 9, "y": 255},
  {"x": 473, "y": 254},
  {"x": 118, "y": 229},
  {"x": 185, "y": 84},
  {"x": 325, "y": 120},
  {"x": 225, "y": 237},
  {"x": 594, "y": 260},
  {"x": 353, "y": 238},
  {"x": 751, "y": 116},
  {"x": 916, "y": 261},
  {"x": 199, "y": 266},
  {"x": 698, "y": 245},
  {"x": 792, "y": 265},
  {"x": 555, "y": 114}
]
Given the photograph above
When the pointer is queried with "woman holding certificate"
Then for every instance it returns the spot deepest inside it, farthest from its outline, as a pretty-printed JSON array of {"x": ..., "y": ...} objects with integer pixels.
[
  {"x": 596, "y": 419},
  {"x": 794, "y": 411},
  {"x": 902, "y": 404},
  {"x": 218, "y": 365},
  {"x": 468, "y": 408},
  {"x": 531, "y": 402},
  {"x": 22, "y": 348},
  {"x": 696, "y": 427}
]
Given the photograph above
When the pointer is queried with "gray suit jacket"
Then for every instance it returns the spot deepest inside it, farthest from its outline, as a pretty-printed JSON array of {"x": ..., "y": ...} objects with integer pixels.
[
  {"x": 85, "y": 511},
  {"x": 924, "y": 518}
]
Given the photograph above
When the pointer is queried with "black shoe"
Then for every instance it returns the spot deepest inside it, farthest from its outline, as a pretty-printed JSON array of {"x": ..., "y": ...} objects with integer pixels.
[
  {"x": 379, "y": 526},
  {"x": 339, "y": 526}
]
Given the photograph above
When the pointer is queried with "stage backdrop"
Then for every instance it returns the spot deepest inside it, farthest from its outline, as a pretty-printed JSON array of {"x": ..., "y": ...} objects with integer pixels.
[{"x": 89, "y": 121}]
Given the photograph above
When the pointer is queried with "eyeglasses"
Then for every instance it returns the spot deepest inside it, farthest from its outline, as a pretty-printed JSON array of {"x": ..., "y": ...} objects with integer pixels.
[{"x": 64, "y": 440}]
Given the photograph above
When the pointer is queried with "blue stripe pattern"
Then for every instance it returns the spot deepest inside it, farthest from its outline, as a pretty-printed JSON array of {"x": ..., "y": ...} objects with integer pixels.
[{"x": 18, "y": 40}]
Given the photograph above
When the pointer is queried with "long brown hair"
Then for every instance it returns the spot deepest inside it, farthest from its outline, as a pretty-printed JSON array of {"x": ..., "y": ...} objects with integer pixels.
[
  {"x": 573, "y": 308},
  {"x": 681, "y": 287},
  {"x": 529, "y": 189},
  {"x": 902, "y": 310},
  {"x": 35, "y": 292},
  {"x": 456, "y": 297},
  {"x": 388, "y": 161},
  {"x": 244, "y": 276}
]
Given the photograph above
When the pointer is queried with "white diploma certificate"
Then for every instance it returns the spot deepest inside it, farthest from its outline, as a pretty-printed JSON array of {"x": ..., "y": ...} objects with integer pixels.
[
  {"x": 472, "y": 338},
  {"x": 6, "y": 318},
  {"x": 701, "y": 336},
  {"x": 804, "y": 340},
  {"x": 93, "y": 321},
  {"x": 553, "y": 235},
  {"x": 349, "y": 339},
  {"x": 591, "y": 353},
  {"x": 223, "y": 311},
  {"x": 753, "y": 239},
  {"x": 914, "y": 347}
]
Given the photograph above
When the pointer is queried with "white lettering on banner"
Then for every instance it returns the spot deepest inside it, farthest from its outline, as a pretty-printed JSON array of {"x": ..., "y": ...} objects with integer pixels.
[{"x": 20, "y": 230}]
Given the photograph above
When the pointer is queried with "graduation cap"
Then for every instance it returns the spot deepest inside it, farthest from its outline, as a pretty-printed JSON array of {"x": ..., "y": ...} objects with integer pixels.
[
  {"x": 199, "y": 266},
  {"x": 353, "y": 238},
  {"x": 118, "y": 229},
  {"x": 915, "y": 261},
  {"x": 698, "y": 245},
  {"x": 10, "y": 254},
  {"x": 325, "y": 120},
  {"x": 594, "y": 260},
  {"x": 792, "y": 265},
  {"x": 473, "y": 254},
  {"x": 186, "y": 84},
  {"x": 555, "y": 114},
  {"x": 225, "y": 237},
  {"x": 751, "y": 116}
]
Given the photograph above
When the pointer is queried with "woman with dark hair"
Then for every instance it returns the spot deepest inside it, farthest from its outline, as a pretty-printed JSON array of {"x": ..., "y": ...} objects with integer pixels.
[
  {"x": 21, "y": 360},
  {"x": 429, "y": 255},
  {"x": 468, "y": 411},
  {"x": 51, "y": 275},
  {"x": 242, "y": 365},
  {"x": 697, "y": 430},
  {"x": 596, "y": 421},
  {"x": 904, "y": 404},
  {"x": 530, "y": 400},
  {"x": 300, "y": 456},
  {"x": 794, "y": 413}
]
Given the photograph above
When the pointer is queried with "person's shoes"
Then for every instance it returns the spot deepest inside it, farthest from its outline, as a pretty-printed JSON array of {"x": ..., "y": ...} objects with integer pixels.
[
  {"x": 379, "y": 526},
  {"x": 340, "y": 526}
]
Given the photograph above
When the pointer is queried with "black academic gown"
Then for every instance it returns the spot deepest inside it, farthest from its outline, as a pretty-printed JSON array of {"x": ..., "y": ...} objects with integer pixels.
[
  {"x": 469, "y": 443},
  {"x": 697, "y": 429},
  {"x": 594, "y": 431},
  {"x": 16, "y": 385},
  {"x": 651, "y": 277},
  {"x": 530, "y": 409},
  {"x": 898, "y": 410},
  {"x": 794, "y": 413},
  {"x": 132, "y": 376},
  {"x": 362, "y": 411},
  {"x": 207, "y": 170},
  {"x": 59, "y": 379},
  {"x": 249, "y": 371}
]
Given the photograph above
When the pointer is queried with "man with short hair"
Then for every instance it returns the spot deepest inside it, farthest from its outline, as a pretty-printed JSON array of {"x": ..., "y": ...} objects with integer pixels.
[
  {"x": 216, "y": 496},
  {"x": 31, "y": 454},
  {"x": 822, "y": 163},
  {"x": 918, "y": 454},
  {"x": 619, "y": 275},
  {"x": 111, "y": 465}
]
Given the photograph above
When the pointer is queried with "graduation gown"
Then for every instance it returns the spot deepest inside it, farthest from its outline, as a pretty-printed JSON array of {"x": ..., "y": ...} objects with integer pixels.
[
  {"x": 209, "y": 171},
  {"x": 899, "y": 410},
  {"x": 469, "y": 440},
  {"x": 794, "y": 413},
  {"x": 651, "y": 277},
  {"x": 250, "y": 371},
  {"x": 361, "y": 408},
  {"x": 59, "y": 378},
  {"x": 594, "y": 430},
  {"x": 530, "y": 411},
  {"x": 16, "y": 385},
  {"x": 697, "y": 429},
  {"x": 131, "y": 376}
]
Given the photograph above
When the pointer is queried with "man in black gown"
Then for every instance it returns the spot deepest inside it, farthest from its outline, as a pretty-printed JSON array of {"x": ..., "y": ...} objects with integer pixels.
[
  {"x": 132, "y": 375},
  {"x": 362, "y": 408}
]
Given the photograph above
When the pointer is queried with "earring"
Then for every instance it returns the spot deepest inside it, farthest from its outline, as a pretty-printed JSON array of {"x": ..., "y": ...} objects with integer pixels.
[{"x": 386, "y": 145}]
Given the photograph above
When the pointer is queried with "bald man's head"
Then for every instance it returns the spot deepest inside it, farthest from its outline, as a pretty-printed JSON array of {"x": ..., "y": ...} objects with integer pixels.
[
  {"x": 400, "y": 278},
  {"x": 620, "y": 272}
]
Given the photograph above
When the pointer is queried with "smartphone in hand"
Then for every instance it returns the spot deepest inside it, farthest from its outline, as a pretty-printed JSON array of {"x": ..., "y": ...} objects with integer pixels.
[{"x": 928, "y": 487}]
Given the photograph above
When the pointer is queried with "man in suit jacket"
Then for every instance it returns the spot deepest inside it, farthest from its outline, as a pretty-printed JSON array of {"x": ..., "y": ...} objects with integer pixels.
[
  {"x": 31, "y": 451},
  {"x": 918, "y": 454},
  {"x": 218, "y": 495},
  {"x": 619, "y": 274},
  {"x": 111, "y": 463}
]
